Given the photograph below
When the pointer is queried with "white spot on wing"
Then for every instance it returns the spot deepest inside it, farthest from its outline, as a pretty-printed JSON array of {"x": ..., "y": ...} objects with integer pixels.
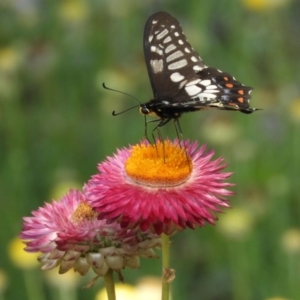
[
  {"x": 156, "y": 50},
  {"x": 170, "y": 48},
  {"x": 193, "y": 82},
  {"x": 176, "y": 77},
  {"x": 167, "y": 40},
  {"x": 206, "y": 95},
  {"x": 211, "y": 87},
  {"x": 193, "y": 90},
  {"x": 157, "y": 65},
  {"x": 197, "y": 68},
  {"x": 180, "y": 42},
  {"x": 154, "y": 21},
  {"x": 206, "y": 82},
  {"x": 176, "y": 33},
  {"x": 162, "y": 34},
  {"x": 211, "y": 91},
  {"x": 150, "y": 38},
  {"x": 178, "y": 64},
  {"x": 182, "y": 84},
  {"x": 187, "y": 50},
  {"x": 194, "y": 59},
  {"x": 174, "y": 55}
]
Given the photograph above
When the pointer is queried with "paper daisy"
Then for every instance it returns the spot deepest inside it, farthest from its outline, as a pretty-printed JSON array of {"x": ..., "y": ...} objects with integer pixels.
[
  {"x": 69, "y": 235},
  {"x": 163, "y": 187}
]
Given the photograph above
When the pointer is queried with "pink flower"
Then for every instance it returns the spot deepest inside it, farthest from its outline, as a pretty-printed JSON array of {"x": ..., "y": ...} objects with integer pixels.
[
  {"x": 163, "y": 187},
  {"x": 69, "y": 235}
]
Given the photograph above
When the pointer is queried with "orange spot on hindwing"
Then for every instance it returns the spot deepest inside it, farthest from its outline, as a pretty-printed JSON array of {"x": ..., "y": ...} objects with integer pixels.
[{"x": 229, "y": 85}]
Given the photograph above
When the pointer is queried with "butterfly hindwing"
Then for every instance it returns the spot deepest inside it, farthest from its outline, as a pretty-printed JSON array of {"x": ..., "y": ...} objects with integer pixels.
[{"x": 228, "y": 93}]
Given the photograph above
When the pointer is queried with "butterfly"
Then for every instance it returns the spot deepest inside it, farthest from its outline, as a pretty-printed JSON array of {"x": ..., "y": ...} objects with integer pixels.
[{"x": 180, "y": 80}]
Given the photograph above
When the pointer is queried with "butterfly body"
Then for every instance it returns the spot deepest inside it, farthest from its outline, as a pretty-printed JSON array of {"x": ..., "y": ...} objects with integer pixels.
[
  {"x": 180, "y": 81},
  {"x": 165, "y": 109}
]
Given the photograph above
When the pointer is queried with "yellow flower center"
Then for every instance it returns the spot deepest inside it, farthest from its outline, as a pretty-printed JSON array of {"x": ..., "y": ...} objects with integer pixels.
[
  {"x": 161, "y": 165},
  {"x": 83, "y": 212}
]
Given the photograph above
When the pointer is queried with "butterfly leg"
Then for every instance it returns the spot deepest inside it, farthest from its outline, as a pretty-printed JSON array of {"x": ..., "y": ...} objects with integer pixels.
[
  {"x": 161, "y": 123},
  {"x": 146, "y": 130},
  {"x": 180, "y": 138},
  {"x": 152, "y": 133},
  {"x": 178, "y": 131}
]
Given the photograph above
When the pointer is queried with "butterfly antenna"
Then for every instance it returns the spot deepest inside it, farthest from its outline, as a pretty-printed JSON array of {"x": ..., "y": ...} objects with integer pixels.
[
  {"x": 146, "y": 130},
  {"x": 113, "y": 90},
  {"x": 123, "y": 111}
]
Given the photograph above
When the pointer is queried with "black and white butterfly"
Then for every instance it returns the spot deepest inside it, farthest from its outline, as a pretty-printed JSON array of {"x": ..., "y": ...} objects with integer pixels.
[{"x": 180, "y": 81}]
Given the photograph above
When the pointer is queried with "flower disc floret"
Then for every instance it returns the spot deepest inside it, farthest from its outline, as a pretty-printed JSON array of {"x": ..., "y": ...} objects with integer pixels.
[{"x": 164, "y": 164}]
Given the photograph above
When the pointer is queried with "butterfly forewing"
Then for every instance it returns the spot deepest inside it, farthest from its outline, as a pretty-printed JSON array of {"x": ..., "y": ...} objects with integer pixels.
[{"x": 170, "y": 59}]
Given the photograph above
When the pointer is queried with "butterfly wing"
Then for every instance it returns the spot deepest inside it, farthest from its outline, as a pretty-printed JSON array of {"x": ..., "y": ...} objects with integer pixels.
[
  {"x": 178, "y": 74},
  {"x": 166, "y": 52}
]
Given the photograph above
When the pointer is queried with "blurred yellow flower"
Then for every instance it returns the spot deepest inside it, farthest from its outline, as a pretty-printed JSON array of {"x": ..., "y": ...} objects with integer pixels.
[
  {"x": 264, "y": 4},
  {"x": 66, "y": 281},
  {"x": 9, "y": 59},
  {"x": 62, "y": 187},
  {"x": 3, "y": 282},
  {"x": 236, "y": 224},
  {"x": 73, "y": 11},
  {"x": 123, "y": 292},
  {"x": 149, "y": 288},
  {"x": 290, "y": 241},
  {"x": 19, "y": 257},
  {"x": 295, "y": 110}
]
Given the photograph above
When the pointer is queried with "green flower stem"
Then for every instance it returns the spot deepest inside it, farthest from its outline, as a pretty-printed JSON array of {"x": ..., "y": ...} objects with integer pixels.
[
  {"x": 110, "y": 285},
  {"x": 33, "y": 284},
  {"x": 165, "y": 265}
]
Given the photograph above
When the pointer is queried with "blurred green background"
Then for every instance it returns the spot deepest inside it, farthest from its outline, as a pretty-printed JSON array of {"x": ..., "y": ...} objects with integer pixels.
[{"x": 56, "y": 125}]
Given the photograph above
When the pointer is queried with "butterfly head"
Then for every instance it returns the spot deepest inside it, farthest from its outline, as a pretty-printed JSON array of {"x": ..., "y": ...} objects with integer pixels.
[
  {"x": 146, "y": 111},
  {"x": 151, "y": 108}
]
